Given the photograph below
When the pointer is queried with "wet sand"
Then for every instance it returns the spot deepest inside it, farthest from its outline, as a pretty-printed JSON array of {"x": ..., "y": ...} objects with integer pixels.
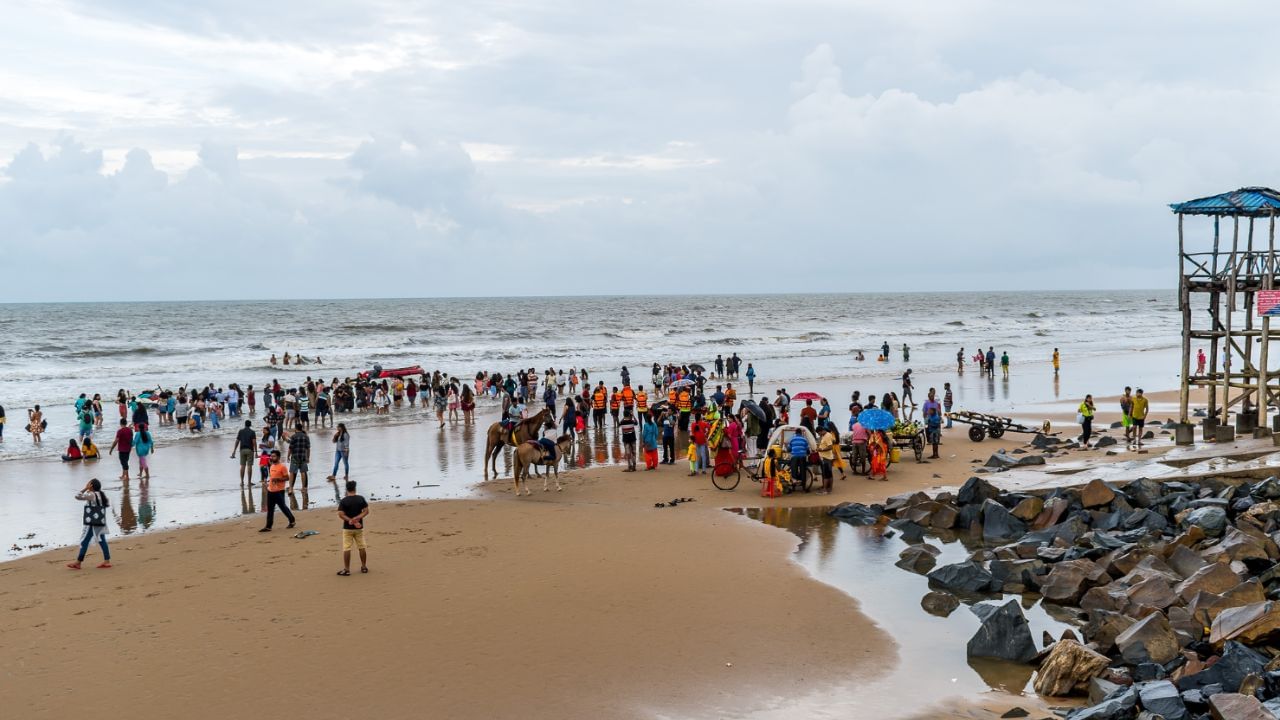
[{"x": 585, "y": 603}]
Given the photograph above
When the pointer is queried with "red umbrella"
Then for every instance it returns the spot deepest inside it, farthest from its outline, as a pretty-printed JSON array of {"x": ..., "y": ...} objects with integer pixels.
[{"x": 806, "y": 396}]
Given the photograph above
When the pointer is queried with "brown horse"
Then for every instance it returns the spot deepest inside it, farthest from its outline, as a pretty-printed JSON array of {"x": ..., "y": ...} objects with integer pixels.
[
  {"x": 497, "y": 438},
  {"x": 531, "y": 453}
]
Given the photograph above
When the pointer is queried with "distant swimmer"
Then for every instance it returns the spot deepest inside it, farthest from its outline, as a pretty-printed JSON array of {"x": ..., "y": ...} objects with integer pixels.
[
  {"x": 286, "y": 357},
  {"x": 860, "y": 356},
  {"x": 273, "y": 359}
]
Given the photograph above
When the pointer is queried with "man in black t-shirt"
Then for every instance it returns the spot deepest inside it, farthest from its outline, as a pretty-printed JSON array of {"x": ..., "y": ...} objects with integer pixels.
[
  {"x": 353, "y": 509},
  {"x": 247, "y": 444}
]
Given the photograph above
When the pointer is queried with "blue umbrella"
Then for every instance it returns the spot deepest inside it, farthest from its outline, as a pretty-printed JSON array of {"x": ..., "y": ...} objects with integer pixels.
[{"x": 876, "y": 419}]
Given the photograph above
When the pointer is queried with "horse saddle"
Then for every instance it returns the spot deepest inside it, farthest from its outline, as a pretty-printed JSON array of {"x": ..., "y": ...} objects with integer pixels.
[{"x": 548, "y": 448}]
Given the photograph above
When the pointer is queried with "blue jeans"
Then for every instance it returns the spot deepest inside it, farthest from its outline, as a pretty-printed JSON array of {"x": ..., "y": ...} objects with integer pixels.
[
  {"x": 344, "y": 457},
  {"x": 948, "y": 412},
  {"x": 91, "y": 532},
  {"x": 704, "y": 457}
]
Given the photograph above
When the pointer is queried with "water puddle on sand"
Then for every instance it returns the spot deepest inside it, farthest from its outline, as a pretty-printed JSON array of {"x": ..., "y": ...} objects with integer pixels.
[{"x": 932, "y": 666}]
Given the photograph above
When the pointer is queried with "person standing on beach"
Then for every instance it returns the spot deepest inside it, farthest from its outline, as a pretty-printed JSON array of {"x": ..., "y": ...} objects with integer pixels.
[
  {"x": 649, "y": 439},
  {"x": 991, "y": 361},
  {"x": 1126, "y": 414},
  {"x": 1057, "y": 362},
  {"x": 720, "y": 366},
  {"x": 353, "y": 509},
  {"x": 1139, "y": 414},
  {"x": 1004, "y": 363},
  {"x": 906, "y": 353},
  {"x": 698, "y": 438},
  {"x": 947, "y": 400},
  {"x": 277, "y": 481},
  {"x": 299, "y": 455},
  {"x": 1200, "y": 359},
  {"x": 751, "y": 380},
  {"x": 799, "y": 449},
  {"x": 668, "y": 439},
  {"x": 144, "y": 445},
  {"x": 35, "y": 424},
  {"x": 884, "y": 350},
  {"x": 599, "y": 397},
  {"x": 960, "y": 362},
  {"x": 341, "y": 453},
  {"x": 827, "y": 450},
  {"x": 123, "y": 444},
  {"x": 628, "y": 428},
  {"x": 246, "y": 443},
  {"x": 1085, "y": 416},
  {"x": 95, "y": 523},
  {"x": 907, "y": 387}
]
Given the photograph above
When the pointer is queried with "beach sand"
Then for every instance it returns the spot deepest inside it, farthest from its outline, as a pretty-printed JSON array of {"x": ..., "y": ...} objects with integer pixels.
[{"x": 588, "y": 603}]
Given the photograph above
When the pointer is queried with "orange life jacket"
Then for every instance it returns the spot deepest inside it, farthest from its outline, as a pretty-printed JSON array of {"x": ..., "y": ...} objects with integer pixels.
[
  {"x": 686, "y": 402},
  {"x": 598, "y": 399},
  {"x": 613, "y": 401},
  {"x": 628, "y": 396},
  {"x": 671, "y": 396},
  {"x": 642, "y": 401}
]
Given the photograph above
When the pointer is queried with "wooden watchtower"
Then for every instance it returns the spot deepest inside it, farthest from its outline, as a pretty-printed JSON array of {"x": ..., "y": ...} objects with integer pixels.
[{"x": 1224, "y": 289}]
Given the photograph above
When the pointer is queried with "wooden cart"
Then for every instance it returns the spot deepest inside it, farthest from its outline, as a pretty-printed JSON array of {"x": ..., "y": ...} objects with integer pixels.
[{"x": 981, "y": 425}]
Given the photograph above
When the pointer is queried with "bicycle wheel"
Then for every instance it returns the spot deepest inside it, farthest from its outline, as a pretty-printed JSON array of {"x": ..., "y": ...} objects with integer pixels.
[
  {"x": 808, "y": 478},
  {"x": 995, "y": 431},
  {"x": 977, "y": 432},
  {"x": 726, "y": 476}
]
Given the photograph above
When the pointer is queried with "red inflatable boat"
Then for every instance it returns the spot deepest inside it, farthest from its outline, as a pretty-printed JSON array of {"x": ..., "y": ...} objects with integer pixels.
[{"x": 377, "y": 373}]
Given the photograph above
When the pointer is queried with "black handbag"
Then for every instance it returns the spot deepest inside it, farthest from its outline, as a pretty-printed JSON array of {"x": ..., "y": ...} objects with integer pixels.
[{"x": 95, "y": 515}]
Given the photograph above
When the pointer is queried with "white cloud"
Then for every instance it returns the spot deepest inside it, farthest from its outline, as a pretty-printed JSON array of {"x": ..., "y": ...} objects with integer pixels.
[{"x": 807, "y": 144}]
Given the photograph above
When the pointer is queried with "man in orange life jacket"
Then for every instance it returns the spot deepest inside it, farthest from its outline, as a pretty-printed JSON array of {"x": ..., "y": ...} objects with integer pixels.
[
  {"x": 642, "y": 403},
  {"x": 614, "y": 401},
  {"x": 598, "y": 398},
  {"x": 684, "y": 402},
  {"x": 628, "y": 399}
]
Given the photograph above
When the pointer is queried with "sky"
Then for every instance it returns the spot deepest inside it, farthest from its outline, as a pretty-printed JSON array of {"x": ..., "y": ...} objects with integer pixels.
[{"x": 166, "y": 150}]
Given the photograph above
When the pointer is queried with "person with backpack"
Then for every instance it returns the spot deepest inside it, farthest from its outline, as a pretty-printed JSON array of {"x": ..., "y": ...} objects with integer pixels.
[{"x": 95, "y": 523}]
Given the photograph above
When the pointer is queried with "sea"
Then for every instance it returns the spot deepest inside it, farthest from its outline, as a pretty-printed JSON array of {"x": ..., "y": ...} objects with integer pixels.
[{"x": 50, "y": 353}]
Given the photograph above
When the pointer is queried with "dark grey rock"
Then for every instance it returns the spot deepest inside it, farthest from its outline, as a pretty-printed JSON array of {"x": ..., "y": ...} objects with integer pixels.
[
  {"x": 1236, "y": 662},
  {"x": 1119, "y": 705},
  {"x": 976, "y": 491},
  {"x": 998, "y": 524},
  {"x": 1105, "y": 441},
  {"x": 1004, "y": 633},
  {"x": 1162, "y": 698},
  {"x": 1143, "y": 492},
  {"x": 966, "y": 577},
  {"x": 856, "y": 513},
  {"x": 1213, "y": 520}
]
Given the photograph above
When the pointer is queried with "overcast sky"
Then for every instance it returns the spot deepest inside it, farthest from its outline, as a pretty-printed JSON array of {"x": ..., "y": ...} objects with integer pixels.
[{"x": 155, "y": 149}]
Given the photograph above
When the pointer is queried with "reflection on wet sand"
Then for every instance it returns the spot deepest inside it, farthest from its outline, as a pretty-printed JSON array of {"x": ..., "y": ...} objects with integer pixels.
[
  {"x": 860, "y": 561},
  {"x": 130, "y": 519}
]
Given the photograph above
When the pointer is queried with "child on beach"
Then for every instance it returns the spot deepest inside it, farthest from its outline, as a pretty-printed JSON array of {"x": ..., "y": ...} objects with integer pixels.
[
  {"x": 95, "y": 523},
  {"x": 692, "y": 455},
  {"x": 353, "y": 509},
  {"x": 73, "y": 453}
]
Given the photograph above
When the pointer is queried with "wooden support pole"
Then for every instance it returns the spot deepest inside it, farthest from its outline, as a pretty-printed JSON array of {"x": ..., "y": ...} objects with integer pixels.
[
  {"x": 1184, "y": 304},
  {"x": 1268, "y": 280},
  {"x": 1215, "y": 302}
]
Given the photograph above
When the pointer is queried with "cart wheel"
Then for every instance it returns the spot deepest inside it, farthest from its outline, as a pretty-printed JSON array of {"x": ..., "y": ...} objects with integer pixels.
[
  {"x": 917, "y": 444},
  {"x": 731, "y": 477},
  {"x": 995, "y": 431},
  {"x": 977, "y": 432}
]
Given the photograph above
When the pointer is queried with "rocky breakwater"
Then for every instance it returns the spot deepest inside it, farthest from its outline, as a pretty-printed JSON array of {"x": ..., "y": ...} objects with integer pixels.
[{"x": 1174, "y": 588}]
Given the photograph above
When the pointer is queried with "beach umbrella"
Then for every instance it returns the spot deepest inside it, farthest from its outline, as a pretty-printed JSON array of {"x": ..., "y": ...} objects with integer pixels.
[
  {"x": 684, "y": 382},
  {"x": 802, "y": 396},
  {"x": 697, "y": 368},
  {"x": 754, "y": 409},
  {"x": 659, "y": 406},
  {"x": 876, "y": 419}
]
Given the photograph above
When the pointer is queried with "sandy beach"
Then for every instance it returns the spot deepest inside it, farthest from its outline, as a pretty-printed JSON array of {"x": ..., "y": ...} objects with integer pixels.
[{"x": 613, "y": 608}]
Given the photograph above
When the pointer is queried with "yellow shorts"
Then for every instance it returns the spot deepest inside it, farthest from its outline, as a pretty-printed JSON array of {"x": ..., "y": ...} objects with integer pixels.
[{"x": 352, "y": 537}]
